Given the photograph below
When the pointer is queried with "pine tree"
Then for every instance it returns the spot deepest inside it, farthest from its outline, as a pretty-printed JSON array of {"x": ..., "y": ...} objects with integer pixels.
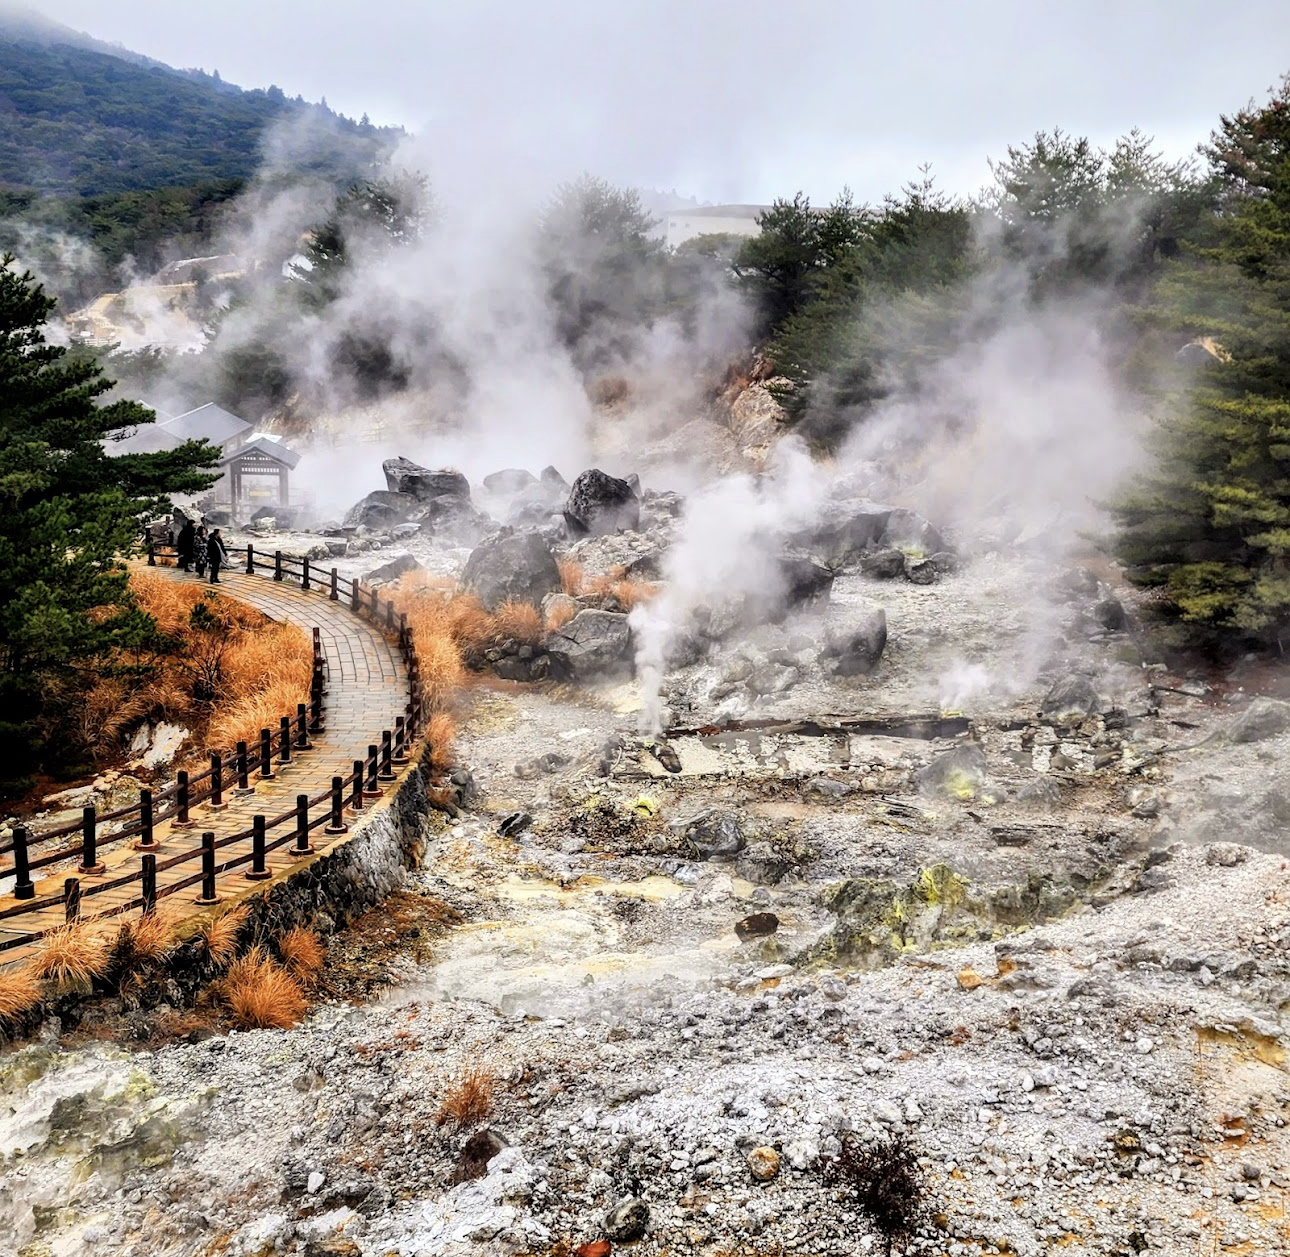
[{"x": 69, "y": 514}]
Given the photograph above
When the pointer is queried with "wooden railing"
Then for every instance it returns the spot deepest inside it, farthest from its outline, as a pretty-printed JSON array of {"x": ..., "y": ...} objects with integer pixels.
[{"x": 238, "y": 770}]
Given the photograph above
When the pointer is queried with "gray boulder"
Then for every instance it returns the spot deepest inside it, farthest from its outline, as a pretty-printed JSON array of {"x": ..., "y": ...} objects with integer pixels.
[
  {"x": 381, "y": 509},
  {"x": 957, "y": 774},
  {"x": 856, "y": 651},
  {"x": 398, "y": 566},
  {"x": 593, "y": 643},
  {"x": 804, "y": 580},
  {"x": 553, "y": 479},
  {"x": 715, "y": 836},
  {"x": 512, "y": 480},
  {"x": 1070, "y": 700},
  {"x": 518, "y": 567},
  {"x": 846, "y": 529},
  {"x": 404, "y": 476},
  {"x": 453, "y": 519},
  {"x": 883, "y": 564},
  {"x": 908, "y": 531},
  {"x": 600, "y": 504},
  {"x": 929, "y": 570},
  {"x": 1263, "y": 718}
]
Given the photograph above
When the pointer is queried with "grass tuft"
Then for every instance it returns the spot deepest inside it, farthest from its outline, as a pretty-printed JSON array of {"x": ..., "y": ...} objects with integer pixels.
[
  {"x": 441, "y": 732},
  {"x": 261, "y": 995},
  {"x": 518, "y": 621},
  {"x": 73, "y": 955},
  {"x": 20, "y": 992},
  {"x": 571, "y": 576},
  {"x": 469, "y": 1100},
  {"x": 219, "y": 934},
  {"x": 144, "y": 941},
  {"x": 302, "y": 952}
]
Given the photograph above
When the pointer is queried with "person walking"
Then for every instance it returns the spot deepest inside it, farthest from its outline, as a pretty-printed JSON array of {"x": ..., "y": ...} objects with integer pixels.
[
  {"x": 201, "y": 550},
  {"x": 185, "y": 545},
  {"x": 216, "y": 555}
]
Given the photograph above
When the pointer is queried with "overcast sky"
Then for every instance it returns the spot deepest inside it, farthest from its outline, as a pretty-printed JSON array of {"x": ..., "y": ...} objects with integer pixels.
[{"x": 732, "y": 101}]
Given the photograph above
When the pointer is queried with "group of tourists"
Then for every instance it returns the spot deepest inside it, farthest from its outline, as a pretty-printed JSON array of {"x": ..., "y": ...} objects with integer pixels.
[{"x": 201, "y": 550}]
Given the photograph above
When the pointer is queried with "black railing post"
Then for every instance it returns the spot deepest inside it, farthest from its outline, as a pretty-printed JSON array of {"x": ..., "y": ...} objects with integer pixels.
[
  {"x": 258, "y": 870},
  {"x": 147, "y": 840},
  {"x": 152, "y": 554},
  {"x": 304, "y": 573},
  {"x": 337, "y": 823},
  {"x": 356, "y": 596},
  {"x": 302, "y": 726},
  {"x": 403, "y": 630},
  {"x": 333, "y": 594},
  {"x": 182, "y": 820},
  {"x": 375, "y": 607},
  {"x": 266, "y": 755},
  {"x": 277, "y": 565},
  {"x": 71, "y": 900},
  {"x": 217, "y": 783},
  {"x": 302, "y": 846},
  {"x": 23, "y": 886},
  {"x": 208, "y": 895},
  {"x": 250, "y": 559},
  {"x": 389, "y": 617},
  {"x": 149, "y": 883},
  {"x": 284, "y": 740},
  {"x": 316, "y": 714},
  {"x": 387, "y": 756},
  {"x": 400, "y": 739},
  {"x": 244, "y": 785},
  {"x": 356, "y": 787},
  {"x": 372, "y": 788},
  {"x": 89, "y": 844}
]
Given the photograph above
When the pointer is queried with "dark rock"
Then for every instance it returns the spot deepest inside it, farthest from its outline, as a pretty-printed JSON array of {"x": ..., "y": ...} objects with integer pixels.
[
  {"x": 404, "y": 476},
  {"x": 909, "y": 531},
  {"x": 715, "y": 836},
  {"x": 958, "y": 774},
  {"x": 391, "y": 571},
  {"x": 644, "y": 567},
  {"x": 804, "y": 580},
  {"x": 845, "y": 529},
  {"x": 761, "y": 864},
  {"x": 759, "y": 925},
  {"x": 599, "y": 504},
  {"x": 666, "y": 756},
  {"x": 515, "y": 823},
  {"x": 512, "y": 480},
  {"x": 217, "y": 517},
  {"x": 593, "y": 642},
  {"x": 453, "y": 519},
  {"x": 478, "y": 1151},
  {"x": 518, "y": 567},
  {"x": 1110, "y": 614},
  {"x": 883, "y": 564},
  {"x": 1263, "y": 718},
  {"x": 1070, "y": 700},
  {"x": 381, "y": 509},
  {"x": 929, "y": 570},
  {"x": 627, "y": 1221},
  {"x": 856, "y": 651}
]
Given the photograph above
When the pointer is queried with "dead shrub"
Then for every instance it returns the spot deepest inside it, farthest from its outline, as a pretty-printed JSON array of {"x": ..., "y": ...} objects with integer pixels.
[
  {"x": 630, "y": 593},
  {"x": 73, "y": 955},
  {"x": 441, "y": 733},
  {"x": 219, "y": 934},
  {"x": 20, "y": 992},
  {"x": 885, "y": 1183},
  {"x": 571, "y": 576},
  {"x": 469, "y": 1100},
  {"x": 261, "y": 995},
  {"x": 519, "y": 622},
  {"x": 302, "y": 952}
]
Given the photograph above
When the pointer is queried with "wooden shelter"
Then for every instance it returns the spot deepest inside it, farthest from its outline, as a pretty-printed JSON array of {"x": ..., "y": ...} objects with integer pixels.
[{"x": 256, "y": 474}]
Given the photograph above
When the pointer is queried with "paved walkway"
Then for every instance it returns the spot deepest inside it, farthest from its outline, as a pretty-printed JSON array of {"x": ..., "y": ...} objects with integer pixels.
[{"x": 367, "y": 686}]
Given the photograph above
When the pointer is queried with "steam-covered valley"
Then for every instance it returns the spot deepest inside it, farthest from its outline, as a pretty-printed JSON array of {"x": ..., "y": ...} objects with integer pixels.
[{"x": 846, "y": 803}]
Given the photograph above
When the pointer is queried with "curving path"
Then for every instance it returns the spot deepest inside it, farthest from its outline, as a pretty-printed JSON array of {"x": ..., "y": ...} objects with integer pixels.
[{"x": 367, "y": 686}]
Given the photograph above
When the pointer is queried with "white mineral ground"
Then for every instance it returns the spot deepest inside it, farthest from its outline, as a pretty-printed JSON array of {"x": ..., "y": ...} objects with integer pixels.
[{"x": 1110, "y": 1080}]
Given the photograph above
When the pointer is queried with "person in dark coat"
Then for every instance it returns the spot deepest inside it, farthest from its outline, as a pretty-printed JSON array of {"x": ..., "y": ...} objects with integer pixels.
[
  {"x": 185, "y": 545},
  {"x": 201, "y": 550},
  {"x": 216, "y": 555}
]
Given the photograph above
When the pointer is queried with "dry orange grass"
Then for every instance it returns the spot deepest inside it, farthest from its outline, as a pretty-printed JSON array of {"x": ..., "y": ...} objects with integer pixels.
[
  {"x": 560, "y": 615},
  {"x": 441, "y": 733},
  {"x": 302, "y": 952},
  {"x": 219, "y": 934},
  {"x": 625, "y": 591},
  {"x": 518, "y": 621},
  {"x": 469, "y": 1100},
  {"x": 145, "y": 941},
  {"x": 571, "y": 576},
  {"x": 20, "y": 992},
  {"x": 261, "y": 995},
  {"x": 73, "y": 955}
]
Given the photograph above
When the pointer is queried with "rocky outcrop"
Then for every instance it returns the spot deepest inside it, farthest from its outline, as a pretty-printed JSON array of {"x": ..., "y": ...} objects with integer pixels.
[
  {"x": 404, "y": 476},
  {"x": 593, "y": 643},
  {"x": 856, "y": 651},
  {"x": 599, "y": 504},
  {"x": 381, "y": 509},
  {"x": 517, "y": 567}
]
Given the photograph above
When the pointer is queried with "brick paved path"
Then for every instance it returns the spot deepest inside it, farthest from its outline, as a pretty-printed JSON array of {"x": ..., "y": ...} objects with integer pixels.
[{"x": 367, "y": 686}]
